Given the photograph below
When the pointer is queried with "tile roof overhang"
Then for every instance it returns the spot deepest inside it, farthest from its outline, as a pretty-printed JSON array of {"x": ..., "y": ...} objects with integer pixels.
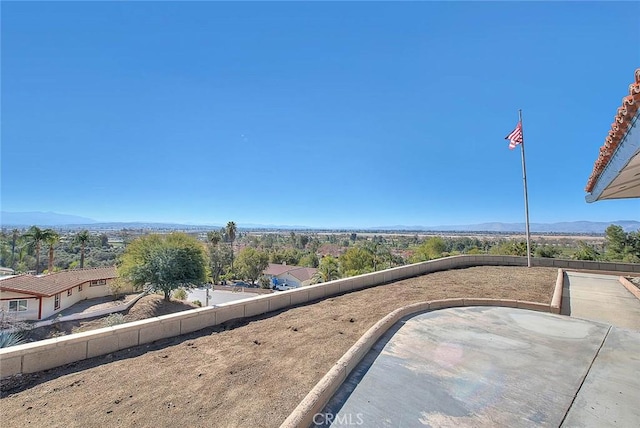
[
  {"x": 48, "y": 285},
  {"x": 616, "y": 172}
]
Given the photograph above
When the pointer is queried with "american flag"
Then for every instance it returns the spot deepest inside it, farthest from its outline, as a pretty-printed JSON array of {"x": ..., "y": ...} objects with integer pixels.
[{"x": 515, "y": 137}]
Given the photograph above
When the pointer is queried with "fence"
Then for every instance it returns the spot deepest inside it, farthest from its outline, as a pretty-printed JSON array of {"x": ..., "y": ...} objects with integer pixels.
[{"x": 46, "y": 354}]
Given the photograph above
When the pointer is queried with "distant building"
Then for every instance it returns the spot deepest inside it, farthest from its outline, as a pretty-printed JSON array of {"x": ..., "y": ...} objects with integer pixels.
[
  {"x": 293, "y": 276},
  {"x": 31, "y": 297},
  {"x": 5, "y": 271}
]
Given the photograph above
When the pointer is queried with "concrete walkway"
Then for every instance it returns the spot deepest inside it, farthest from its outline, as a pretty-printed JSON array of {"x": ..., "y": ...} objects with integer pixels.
[
  {"x": 493, "y": 366},
  {"x": 97, "y": 303},
  {"x": 600, "y": 298}
]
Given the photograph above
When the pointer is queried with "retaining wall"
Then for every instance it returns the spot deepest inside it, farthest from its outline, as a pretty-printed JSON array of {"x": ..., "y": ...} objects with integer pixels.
[{"x": 46, "y": 354}]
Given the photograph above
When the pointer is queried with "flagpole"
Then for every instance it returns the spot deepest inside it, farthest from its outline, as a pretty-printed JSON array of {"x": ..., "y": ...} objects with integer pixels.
[{"x": 526, "y": 199}]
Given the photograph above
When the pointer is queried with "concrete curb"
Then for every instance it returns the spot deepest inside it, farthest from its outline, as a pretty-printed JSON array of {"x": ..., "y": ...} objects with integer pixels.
[
  {"x": 629, "y": 286},
  {"x": 556, "y": 301},
  {"x": 319, "y": 396}
]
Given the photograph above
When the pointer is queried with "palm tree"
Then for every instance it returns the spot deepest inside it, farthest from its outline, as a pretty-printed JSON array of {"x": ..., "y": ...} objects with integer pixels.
[
  {"x": 82, "y": 238},
  {"x": 34, "y": 238},
  {"x": 214, "y": 237},
  {"x": 327, "y": 270},
  {"x": 52, "y": 239},
  {"x": 231, "y": 234}
]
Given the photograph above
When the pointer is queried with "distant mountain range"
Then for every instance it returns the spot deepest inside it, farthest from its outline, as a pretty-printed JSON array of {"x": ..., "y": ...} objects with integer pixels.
[
  {"x": 562, "y": 227},
  {"x": 48, "y": 219},
  {"x": 41, "y": 218}
]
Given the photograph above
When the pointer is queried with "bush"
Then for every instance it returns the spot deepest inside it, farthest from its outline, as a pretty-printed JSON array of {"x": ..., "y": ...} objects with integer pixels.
[
  {"x": 11, "y": 338},
  {"x": 180, "y": 294},
  {"x": 197, "y": 303},
  {"x": 114, "y": 319}
]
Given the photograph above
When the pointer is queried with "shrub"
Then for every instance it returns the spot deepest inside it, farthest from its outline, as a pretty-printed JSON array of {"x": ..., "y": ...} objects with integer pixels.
[
  {"x": 114, "y": 319},
  {"x": 197, "y": 303},
  {"x": 180, "y": 294}
]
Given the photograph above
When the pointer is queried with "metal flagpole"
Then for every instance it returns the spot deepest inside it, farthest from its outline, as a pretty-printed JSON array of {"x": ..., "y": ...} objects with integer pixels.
[{"x": 526, "y": 199}]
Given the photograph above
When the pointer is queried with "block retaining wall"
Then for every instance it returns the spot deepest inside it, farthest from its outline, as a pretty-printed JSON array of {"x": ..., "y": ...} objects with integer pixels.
[{"x": 50, "y": 353}]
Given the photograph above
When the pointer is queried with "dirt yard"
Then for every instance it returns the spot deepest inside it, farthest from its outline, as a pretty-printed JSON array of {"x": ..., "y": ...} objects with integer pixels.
[
  {"x": 249, "y": 373},
  {"x": 149, "y": 306}
]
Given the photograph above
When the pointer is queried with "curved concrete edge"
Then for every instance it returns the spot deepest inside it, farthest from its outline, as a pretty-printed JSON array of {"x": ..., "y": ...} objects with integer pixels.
[
  {"x": 629, "y": 286},
  {"x": 556, "y": 300},
  {"x": 319, "y": 396}
]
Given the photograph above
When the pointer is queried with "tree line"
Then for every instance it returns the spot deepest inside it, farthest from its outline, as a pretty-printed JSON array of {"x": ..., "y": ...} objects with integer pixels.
[{"x": 230, "y": 254}]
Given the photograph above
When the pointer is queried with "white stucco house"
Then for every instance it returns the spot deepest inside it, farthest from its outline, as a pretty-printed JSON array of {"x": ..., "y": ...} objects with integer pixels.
[
  {"x": 292, "y": 276},
  {"x": 31, "y": 297}
]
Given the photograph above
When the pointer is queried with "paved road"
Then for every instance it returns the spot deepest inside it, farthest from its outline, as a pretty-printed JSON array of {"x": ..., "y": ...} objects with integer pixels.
[
  {"x": 493, "y": 366},
  {"x": 217, "y": 297},
  {"x": 600, "y": 298}
]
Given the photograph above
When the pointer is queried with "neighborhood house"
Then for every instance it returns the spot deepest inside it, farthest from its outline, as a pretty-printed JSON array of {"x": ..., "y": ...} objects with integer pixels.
[
  {"x": 31, "y": 297},
  {"x": 292, "y": 276}
]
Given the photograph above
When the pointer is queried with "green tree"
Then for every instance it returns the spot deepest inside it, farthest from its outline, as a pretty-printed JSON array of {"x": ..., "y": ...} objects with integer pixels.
[
  {"x": 231, "y": 230},
  {"x": 615, "y": 242},
  {"x": 309, "y": 260},
  {"x": 164, "y": 262},
  {"x": 586, "y": 252},
  {"x": 15, "y": 235},
  {"x": 547, "y": 251},
  {"x": 251, "y": 263},
  {"x": 302, "y": 241},
  {"x": 104, "y": 240},
  {"x": 633, "y": 247},
  {"x": 214, "y": 238},
  {"x": 328, "y": 270},
  {"x": 356, "y": 261},
  {"x": 431, "y": 248},
  {"x": 82, "y": 238},
  {"x": 52, "y": 239},
  {"x": 34, "y": 238},
  {"x": 219, "y": 260}
]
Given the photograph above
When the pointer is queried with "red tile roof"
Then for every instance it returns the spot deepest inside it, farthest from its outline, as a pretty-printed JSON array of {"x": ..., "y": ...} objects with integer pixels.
[
  {"x": 619, "y": 128},
  {"x": 48, "y": 285}
]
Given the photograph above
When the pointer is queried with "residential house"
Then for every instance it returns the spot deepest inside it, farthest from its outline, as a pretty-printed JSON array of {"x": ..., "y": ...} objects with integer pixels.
[
  {"x": 31, "y": 297},
  {"x": 293, "y": 276}
]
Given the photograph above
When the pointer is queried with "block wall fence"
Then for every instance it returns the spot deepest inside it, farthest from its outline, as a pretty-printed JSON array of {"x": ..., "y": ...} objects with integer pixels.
[{"x": 50, "y": 353}]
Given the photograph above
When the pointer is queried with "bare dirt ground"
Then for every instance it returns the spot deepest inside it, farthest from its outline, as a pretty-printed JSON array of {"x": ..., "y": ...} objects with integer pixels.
[
  {"x": 149, "y": 306},
  {"x": 250, "y": 373}
]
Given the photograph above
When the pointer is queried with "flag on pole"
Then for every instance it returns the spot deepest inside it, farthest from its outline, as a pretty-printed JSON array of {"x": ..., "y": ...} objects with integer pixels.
[{"x": 515, "y": 137}]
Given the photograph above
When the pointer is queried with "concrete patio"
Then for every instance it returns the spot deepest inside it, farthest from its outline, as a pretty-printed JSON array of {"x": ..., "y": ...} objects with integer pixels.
[{"x": 497, "y": 366}]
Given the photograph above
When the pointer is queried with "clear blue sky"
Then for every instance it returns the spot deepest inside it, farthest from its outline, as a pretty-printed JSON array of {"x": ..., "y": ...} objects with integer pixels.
[{"x": 316, "y": 114}]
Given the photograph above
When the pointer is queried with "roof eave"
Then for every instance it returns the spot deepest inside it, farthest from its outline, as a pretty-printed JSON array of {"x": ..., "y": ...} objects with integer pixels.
[{"x": 628, "y": 148}]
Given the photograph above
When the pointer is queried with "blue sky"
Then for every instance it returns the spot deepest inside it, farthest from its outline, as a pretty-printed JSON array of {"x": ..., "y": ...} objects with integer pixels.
[{"x": 326, "y": 114}]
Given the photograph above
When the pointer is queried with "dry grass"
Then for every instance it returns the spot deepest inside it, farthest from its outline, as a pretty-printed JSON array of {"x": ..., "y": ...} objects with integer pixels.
[{"x": 248, "y": 374}]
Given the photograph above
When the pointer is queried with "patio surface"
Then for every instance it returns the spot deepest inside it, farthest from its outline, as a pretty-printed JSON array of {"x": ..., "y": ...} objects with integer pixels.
[{"x": 497, "y": 366}]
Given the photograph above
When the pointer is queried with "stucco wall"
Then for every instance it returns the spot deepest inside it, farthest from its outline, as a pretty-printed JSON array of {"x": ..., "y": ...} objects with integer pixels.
[
  {"x": 33, "y": 305},
  {"x": 37, "y": 356},
  {"x": 66, "y": 301}
]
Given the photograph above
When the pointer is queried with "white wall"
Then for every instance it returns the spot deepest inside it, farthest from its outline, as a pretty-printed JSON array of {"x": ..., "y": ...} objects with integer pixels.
[
  {"x": 33, "y": 305},
  {"x": 87, "y": 292},
  {"x": 46, "y": 354}
]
